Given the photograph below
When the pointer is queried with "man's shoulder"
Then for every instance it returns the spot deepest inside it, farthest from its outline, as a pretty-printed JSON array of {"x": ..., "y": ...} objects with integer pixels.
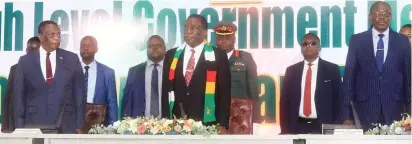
[
  {"x": 67, "y": 53},
  {"x": 104, "y": 67},
  {"x": 139, "y": 66},
  {"x": 328, "y": 63}
]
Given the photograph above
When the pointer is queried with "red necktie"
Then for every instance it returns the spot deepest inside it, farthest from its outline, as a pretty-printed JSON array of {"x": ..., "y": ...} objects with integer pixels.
[
  {"x": 190, "y": 67},
  {"x": 49, "y": 75},
  {"x": 307, "y": 95}
]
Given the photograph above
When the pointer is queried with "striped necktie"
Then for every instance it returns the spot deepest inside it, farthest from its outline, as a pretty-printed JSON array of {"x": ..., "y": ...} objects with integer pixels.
[
  {"x": 86, "y": 81},
  {"x": 380, "y": 52}
]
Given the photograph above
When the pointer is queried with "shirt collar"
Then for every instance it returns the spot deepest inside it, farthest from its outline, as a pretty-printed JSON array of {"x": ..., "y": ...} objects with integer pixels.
[
  {"x": 92, "y": 64},
  {"x": 375, "y": 33},
  {"x": 198, "y": 48},
  {"x": 42, "y": 51},
  {"x": 230, "y": 53},
  {"x": 149, "y": 63},
  {"x": 314, "y": 63}
]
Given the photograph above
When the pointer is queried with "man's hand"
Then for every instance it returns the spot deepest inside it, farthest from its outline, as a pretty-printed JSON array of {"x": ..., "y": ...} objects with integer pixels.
[
  {"x": 348, "y": 122},
  {"x": 79, "y": 131}
]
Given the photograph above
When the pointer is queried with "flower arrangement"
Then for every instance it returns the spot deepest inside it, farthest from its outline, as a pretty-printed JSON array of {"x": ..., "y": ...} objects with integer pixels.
[
  {"x": 153, "y": 126},
  {"x": 402, "y": 127}
]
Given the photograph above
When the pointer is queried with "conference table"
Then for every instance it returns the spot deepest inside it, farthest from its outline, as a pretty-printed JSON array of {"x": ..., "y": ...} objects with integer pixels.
[{"x": 196, "y": 139}]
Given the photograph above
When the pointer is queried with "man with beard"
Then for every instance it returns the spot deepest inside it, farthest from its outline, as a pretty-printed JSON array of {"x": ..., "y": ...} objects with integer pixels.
[
  {"x": 142, "y": 94},
  {"x": 377, "y": 76},
  {"x": 100, "y": 83},
  {"x": 196, "y": 78},
  {"x": 7, "y": 124},
  {"x": 47, "y": 82}
]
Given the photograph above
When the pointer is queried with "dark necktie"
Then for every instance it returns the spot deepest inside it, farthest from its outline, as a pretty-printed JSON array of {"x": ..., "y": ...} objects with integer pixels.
[
  {"x": 154, "y": 95},
  {"x": 49, "y": 73},
  {"x": 86, "y": 81},
  {"x": 380, "y": 52}
]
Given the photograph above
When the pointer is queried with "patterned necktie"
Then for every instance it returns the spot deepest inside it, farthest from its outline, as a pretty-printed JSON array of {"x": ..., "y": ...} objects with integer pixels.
[
  {"x": 154, "y": 95},
  {"x": 190, "y": 68},
  {"x": 307, "y": 94},
  {"x": 86, "y": 81},
  {"x": 49, "y": 73},
  {"x": 380, "y": 52}
]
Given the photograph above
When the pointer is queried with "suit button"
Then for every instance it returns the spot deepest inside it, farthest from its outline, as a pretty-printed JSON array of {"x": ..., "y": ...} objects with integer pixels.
[
  {"x": 50, "y": 90},
  {"x": 381, "y": 77},
  {"x": 187, "y": 93}
]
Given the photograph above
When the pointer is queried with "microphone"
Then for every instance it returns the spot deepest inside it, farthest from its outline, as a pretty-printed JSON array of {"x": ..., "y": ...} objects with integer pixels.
[
  {"x": 355, "y": 117},
  {"x": 182, "y": 111}
]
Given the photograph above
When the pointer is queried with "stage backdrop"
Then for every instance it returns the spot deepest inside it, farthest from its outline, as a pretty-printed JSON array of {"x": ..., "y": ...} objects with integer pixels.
[{"x": 269, "y": 29}]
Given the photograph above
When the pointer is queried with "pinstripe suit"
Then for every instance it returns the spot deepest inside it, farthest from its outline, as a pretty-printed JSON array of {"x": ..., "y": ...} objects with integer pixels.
[{"x": 377, "y": 95}]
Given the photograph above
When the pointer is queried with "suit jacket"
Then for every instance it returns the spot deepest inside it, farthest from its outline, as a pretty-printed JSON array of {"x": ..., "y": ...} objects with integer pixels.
[
  {"x": 327, "y": 95},
  {"x": 105, "y": 91},
  {"x": 134, "y": 98},
  {"x": 244, "y": 80},
  {"x": 372, "y": 90},
  {"x": 192, "y": 96},
  {"x": 7, "y": 107},
  {"x": 36, "y": 103}
]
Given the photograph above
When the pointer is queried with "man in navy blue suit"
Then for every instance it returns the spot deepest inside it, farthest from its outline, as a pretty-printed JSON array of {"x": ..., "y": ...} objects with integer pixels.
[
  {"x": 377, "y": 75},
  {"x": 100, "y": 80},
  {"x": 142, "y": 94},
  {"x": 310, "y": 93},
  {"x": 47, "y": 82},
  {"x": 7, "y": 125}
]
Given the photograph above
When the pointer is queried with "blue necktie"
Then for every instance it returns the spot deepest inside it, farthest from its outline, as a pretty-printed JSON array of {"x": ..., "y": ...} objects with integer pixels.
[
  {"x": 380, "y": 52},
  {"x": 154, "y": 95},
  {"x": 86, "y": 81}
]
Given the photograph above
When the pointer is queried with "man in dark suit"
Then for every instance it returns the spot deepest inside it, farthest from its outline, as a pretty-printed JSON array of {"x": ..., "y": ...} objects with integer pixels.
[
  {"x": 99, "y": 80},
  {"x": 378, "y": 72},
  {"x": 47, "y": 82},
  {"x": 142, "y": 94},
  {"x": 406, "y": 30},
  {"x": 7, "y": 124},
  {"x": 243, "y": 68},
  {"x": 310, "y": 92},
  {"x": 196, "y": 77}
]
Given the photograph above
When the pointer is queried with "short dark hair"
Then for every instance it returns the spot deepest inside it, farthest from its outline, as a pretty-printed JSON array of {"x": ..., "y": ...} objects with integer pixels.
[
  {"x": 406, "y": 26},
  {"x": 43, "y": 24},
  {"x": 312, "y": 34},
  {"x": 34, "y": 39},
  {"x": 202, "y": 19},
  {"x": 376, "y": 3},
  {"x": 157, "y": 37}
]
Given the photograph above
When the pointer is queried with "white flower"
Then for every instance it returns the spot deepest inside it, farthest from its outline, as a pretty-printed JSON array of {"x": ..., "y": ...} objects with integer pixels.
[
  {"x": 398, "y": 130},
  {"x": 116, "y": 124}
]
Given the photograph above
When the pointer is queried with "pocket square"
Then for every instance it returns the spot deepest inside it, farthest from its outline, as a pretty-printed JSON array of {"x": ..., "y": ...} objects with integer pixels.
[{"x": 327, "y": 80}]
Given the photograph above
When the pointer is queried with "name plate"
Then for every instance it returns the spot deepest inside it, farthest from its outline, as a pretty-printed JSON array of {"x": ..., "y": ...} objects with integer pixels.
[
  {"x": 348, "y": 132},
  {"x": 27, "y": 131}
]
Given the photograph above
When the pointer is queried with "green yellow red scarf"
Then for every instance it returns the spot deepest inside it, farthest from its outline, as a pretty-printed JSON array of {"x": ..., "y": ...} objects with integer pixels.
[{"x": 209, "y": 105}]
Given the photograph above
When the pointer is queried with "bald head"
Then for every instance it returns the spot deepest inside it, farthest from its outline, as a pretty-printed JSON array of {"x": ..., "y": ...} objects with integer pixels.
[
  {"x": 88, "y": 48},
  {"x": 380, "y": 16}
]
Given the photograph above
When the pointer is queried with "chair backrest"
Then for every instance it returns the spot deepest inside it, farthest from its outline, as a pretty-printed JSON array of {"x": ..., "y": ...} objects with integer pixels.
[{"x": 240, "y": 121}]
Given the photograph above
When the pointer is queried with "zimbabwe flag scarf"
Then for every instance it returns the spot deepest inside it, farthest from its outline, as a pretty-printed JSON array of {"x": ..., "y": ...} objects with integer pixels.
[{"x": 209, "y": 105}]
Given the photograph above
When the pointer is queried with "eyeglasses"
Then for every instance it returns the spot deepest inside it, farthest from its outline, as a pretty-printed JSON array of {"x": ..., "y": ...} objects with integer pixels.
[
  {"x": 309, "y": 43},
  {"x": 382, "y": 14}
]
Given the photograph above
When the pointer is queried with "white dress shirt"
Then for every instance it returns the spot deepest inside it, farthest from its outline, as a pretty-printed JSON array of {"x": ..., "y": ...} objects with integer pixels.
[
  {"x": 229, "y": 54},
  {"x": 375, "y": 35},
  {"x": 148, "y": 85},
  {"x": 314, "y": 69},
  {"x": 43, "y": 56},
  {"x": 187, "y": 54},
  {"x": 91, "y": 80}
]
